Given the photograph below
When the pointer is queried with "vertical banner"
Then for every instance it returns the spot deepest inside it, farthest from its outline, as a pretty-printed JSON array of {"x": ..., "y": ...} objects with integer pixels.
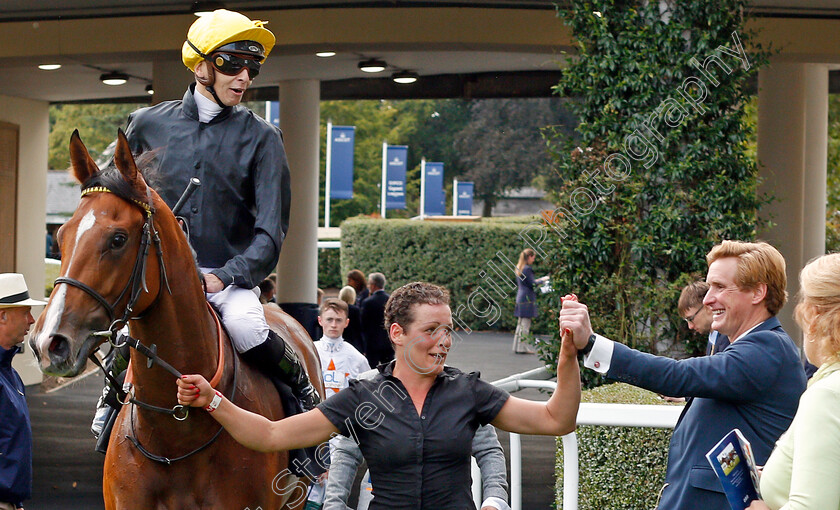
[
  {"x": 395, "y": 164},
  {"x": 272, "y": 112},
  {"x": 433, "y": 202},
  {"x": 339, "y": 165},
  {"x": 342, "y": 143},
  {"x": 463, "y": 192}
]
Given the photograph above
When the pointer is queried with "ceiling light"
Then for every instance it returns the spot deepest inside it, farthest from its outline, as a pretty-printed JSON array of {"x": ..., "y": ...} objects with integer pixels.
[
  {"x": 201, "y": 7},
  {"x": 325, "y": 54},
  {"x": 372, "y": 65},
  {"x": 404, "y": 77},
  {"x": 49, "y": 67},
  {"x": 150, "y": 90},
  {"x": 114, "y": 78}
]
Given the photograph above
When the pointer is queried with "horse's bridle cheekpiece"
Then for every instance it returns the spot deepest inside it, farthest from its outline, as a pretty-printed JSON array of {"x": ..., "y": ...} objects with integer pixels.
[{"x": 137, "y": 280}]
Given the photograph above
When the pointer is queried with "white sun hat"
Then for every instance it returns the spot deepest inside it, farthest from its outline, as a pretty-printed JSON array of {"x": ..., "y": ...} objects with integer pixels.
[{"x": 13, "y": 291}]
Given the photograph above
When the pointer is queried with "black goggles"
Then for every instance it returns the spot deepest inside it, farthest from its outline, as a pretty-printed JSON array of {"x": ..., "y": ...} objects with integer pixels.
[{"x": 231, "y": 65}]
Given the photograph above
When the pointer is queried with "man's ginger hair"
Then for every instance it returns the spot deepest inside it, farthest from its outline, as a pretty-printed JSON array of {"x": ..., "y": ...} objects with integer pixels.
[{"x": 757, "y": 263}]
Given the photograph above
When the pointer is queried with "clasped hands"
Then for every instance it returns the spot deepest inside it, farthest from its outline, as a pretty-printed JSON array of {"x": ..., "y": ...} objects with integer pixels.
[{"x": 574, "y": 318}]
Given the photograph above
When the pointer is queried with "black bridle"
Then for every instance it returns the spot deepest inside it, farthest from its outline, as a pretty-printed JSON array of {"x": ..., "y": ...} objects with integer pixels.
[
  {"x": 137, "y": 280},
  {"x": 136, "y": 284}
]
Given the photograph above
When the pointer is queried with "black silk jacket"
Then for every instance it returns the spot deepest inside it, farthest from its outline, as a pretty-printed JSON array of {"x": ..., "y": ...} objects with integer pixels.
[{"x": 239, "y": 215}]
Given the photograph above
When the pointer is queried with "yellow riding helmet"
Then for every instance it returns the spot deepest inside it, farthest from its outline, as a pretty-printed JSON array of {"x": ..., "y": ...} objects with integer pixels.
[{"x": 219, "y": 28}]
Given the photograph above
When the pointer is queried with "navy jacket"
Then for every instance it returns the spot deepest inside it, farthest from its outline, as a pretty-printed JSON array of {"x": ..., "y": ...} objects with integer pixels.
[
  {"x": 526, "y": 298},
  {"x": 377, "y": 344},
  {"x": 753, "y": 385},
  {"x": 15, "y": 434}
]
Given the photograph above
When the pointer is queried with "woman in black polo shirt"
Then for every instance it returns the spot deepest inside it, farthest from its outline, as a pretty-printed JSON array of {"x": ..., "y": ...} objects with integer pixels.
[{"x": 415, "y": 420}]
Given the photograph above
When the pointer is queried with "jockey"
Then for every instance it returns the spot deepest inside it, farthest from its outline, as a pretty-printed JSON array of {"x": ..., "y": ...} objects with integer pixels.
[{"x": 239, "y": 216}]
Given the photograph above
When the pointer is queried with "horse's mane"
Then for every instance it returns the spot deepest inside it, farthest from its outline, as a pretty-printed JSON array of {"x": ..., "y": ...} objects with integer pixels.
[{"x": 110, "y": 177}]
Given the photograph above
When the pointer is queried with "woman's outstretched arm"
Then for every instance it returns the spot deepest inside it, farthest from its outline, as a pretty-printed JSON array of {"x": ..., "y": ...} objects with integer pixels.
[
  {"x": 555, "y": 417},
  {"x": 252, "y": 430}
]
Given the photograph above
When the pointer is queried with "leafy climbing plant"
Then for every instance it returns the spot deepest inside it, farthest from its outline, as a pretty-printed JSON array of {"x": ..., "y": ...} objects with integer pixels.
[{"x": 658, "y": 169}]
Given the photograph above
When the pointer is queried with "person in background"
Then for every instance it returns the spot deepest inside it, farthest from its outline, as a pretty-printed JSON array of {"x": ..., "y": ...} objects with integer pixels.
[
  {"x": 803, "y": 470},
  {"x": 698, "y": 317},
  {"x": 267, "y": 290},
  {"x": 357, "y": 280},
  {"x": 15, "y": 428},
  {"x": 340, "y": 362},
  {"x": 353, "y": 333},
  {"x": 753, "y": 385},
  {"x": 418, "y": 416},
  {"x": 375, "y": 337},
  {"x": 526, "y": 300}
]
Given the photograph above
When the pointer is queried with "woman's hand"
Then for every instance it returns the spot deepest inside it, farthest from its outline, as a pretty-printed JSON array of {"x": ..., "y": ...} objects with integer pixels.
[
  {"x": 758, "y": 505},
  {"x": 574, "y": 317},
  {"x": 194, "y": 391}
]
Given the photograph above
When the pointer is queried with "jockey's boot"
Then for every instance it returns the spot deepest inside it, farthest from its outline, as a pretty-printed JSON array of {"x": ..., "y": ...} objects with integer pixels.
[
  {"x": 275, "y": 356},
  {"x": 100, "y": 417},
  {"x": 108, "y": 404}
]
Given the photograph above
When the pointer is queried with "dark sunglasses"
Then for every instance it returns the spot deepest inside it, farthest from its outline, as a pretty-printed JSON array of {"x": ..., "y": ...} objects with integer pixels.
[{"x": 231, "y": 65}]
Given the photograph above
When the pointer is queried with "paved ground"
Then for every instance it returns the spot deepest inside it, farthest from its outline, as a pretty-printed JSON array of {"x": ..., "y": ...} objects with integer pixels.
[{"x": 68, "y": 473}]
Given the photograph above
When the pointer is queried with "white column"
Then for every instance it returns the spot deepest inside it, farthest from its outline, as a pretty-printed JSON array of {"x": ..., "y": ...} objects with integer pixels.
[
  {"x": 297, "y": 271},
  {"x": 33, "y": 120},
  {"x": 792, "y": 147},
  {"x": 816, "y": 161}
]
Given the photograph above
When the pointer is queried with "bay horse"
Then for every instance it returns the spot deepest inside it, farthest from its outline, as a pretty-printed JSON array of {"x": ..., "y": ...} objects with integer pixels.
[{"x": 125, "y": 255}]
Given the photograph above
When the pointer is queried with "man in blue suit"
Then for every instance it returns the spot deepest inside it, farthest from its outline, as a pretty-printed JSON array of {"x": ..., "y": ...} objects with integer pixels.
[
  {"x": 377, "y": 343},
  {"x": 753, "y": 385}
]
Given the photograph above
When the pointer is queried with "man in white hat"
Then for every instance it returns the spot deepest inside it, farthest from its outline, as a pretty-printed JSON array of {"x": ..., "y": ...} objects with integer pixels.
[{"x": 16, "y": 432}]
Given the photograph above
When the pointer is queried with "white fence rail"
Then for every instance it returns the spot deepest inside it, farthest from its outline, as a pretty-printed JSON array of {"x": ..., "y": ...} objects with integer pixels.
[{"x": 609, "y": 415}]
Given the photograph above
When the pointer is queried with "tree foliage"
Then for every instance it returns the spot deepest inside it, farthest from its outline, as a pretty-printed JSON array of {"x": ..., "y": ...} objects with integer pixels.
[
  {"x": 832, "y": 227},
  {"x": 501, "y": 146},
  {"x": 97, "y": 125},
  {"x": 658, "y": 171}
]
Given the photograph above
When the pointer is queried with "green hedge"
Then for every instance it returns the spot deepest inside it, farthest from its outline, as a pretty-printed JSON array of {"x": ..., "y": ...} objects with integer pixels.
[
  {"x": 472, "y": 259},
  {"x": 621, "y": 468},
  {"x": 329, "y": 270}
]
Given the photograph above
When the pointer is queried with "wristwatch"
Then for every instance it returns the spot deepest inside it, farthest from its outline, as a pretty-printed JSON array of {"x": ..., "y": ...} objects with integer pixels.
[{"x": 589, "y": 345}]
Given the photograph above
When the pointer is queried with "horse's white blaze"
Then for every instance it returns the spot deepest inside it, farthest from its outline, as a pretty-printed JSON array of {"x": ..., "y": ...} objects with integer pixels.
[
  {"x": 56, "y": 307},
  {"x": 54, "y": 313}
]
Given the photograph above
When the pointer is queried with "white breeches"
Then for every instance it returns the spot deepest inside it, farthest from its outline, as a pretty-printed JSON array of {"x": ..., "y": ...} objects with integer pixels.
[{"x": 243, "y": 316}]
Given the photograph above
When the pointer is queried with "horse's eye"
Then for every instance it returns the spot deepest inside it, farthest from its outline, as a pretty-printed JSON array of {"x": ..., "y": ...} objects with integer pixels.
[{"x": 118, "y": 241}]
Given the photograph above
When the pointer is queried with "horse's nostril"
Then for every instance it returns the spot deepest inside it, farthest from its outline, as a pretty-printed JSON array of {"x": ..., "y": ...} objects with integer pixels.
[
  {"x": 59, "y": 347},
  {"x": 34, "y": 349}
]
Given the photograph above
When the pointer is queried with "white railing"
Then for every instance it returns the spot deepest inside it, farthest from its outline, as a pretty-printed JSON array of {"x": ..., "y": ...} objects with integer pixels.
[{"x": 610, "y": 415}]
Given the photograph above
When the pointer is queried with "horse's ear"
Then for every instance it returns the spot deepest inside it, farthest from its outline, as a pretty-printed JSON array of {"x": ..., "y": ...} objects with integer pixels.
[
  {"x": 82, "y": 165},
  {"x": 124, "y": 161}
]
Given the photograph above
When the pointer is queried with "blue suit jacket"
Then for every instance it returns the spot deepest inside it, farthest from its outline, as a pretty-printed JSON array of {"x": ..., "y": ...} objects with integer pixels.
[{"x": 753, "y": 385}]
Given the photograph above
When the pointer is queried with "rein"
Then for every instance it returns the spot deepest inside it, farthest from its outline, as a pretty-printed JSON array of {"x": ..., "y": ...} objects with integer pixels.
[
  {"x": 215, "y": 381},
  {"x": 137, "y": 284}
]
